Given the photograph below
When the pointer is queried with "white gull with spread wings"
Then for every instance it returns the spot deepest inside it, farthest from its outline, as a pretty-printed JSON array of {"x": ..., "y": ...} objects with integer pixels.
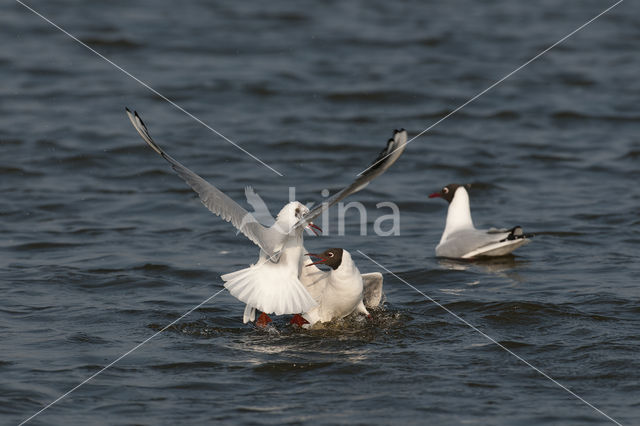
[{"x": 272, "y": 285}]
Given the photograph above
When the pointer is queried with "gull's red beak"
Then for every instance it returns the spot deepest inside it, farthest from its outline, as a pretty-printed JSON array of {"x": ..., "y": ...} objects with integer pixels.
[
  {"x": 435, "y": 194},
  {"x": 315, "y": 255},
  {"x": 313, "y": 228}
]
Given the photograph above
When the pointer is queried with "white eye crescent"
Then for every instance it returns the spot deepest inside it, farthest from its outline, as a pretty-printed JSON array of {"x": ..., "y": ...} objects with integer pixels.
[
  {"x": 445, "y": 190},
  {"x": 330, "y": 254}
]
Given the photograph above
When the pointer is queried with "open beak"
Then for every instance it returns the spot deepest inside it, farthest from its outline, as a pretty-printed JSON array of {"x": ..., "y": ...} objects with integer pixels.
[
  {"x": 435, "y": 195},
  {"x": 315, "y": 255},
  {"x": 314, "y": 228}
]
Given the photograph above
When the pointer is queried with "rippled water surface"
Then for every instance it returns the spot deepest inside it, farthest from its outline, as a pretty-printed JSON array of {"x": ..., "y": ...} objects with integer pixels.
[{"x": 103, "y": 246}]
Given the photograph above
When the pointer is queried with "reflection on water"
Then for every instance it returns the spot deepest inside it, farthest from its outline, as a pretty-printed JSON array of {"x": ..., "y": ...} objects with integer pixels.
[
  {"x": 502, "y": 266},
  {"x": 488, "y": 264}
]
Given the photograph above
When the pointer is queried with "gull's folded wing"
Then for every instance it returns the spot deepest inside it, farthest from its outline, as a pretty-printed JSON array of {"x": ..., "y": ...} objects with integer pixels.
[
  {"x": 388, "y": 156},
  {"x": 268, "y": 239}
]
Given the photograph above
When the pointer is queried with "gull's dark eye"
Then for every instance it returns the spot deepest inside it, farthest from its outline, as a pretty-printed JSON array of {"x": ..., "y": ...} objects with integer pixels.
[
  {"x": 330, "y": 254},
  {"x": 297, "y": 211},
  {"x": 445, "y": 190}
]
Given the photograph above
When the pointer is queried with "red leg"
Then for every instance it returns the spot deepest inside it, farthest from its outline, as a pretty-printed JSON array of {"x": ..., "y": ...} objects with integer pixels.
[
  {"x": 298, "y": 320},
  {"x": 263, "y": 320}
]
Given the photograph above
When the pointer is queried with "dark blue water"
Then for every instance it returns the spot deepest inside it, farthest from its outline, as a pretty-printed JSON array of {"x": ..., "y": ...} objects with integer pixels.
[{"x": 102, "y": 245}]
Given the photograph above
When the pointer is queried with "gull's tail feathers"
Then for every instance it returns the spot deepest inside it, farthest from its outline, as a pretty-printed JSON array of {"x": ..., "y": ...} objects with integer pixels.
[
  {"x": 269, "y": 289},
  {"x": 517, "y": 233},
  {"x": 249, "y": 314}
]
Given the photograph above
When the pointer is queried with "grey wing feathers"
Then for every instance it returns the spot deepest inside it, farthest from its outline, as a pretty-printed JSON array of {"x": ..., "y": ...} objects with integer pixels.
[
  {"x": 462, "y": 242},
  {"x": 270, "y": 241},
  {"x": 470, "y": 243},
  {"x": 394, "y": 149},
  {"x": 372, "y": 294}
]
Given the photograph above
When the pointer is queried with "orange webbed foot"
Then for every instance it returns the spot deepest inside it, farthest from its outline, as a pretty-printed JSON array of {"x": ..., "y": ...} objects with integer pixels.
[
  {"x": 298, "y": 320},
  {"x": 263, "y": 320}
]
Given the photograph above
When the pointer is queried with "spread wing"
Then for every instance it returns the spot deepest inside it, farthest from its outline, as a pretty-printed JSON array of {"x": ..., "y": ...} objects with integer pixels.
[
  {"x": 388, "y": 156},
  {"x": 269, "y": 240},
  {"x": 372, "y": 291}
]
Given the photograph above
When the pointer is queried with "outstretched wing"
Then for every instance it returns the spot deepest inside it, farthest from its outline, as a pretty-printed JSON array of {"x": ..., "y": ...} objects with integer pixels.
[
  {"x": 269, "y": 240},
  {"x": 372, "y": 291},
  {"x": 388, "y": 156}
]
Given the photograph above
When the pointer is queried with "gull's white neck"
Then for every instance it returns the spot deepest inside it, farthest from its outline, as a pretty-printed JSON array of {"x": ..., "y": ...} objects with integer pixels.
[
  {"x": 347, "y": 268},
  {"x": 459, "y": 214},
  {"x": 291, "y": 252}
]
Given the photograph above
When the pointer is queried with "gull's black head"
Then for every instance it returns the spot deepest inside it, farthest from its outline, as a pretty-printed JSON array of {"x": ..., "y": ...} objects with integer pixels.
[
  {"x": 331, "y": 257},
  {"x": 448, "y": 191}
]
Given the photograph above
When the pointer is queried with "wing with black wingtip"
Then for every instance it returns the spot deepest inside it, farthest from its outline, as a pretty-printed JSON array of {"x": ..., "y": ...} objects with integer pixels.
[
  {"x": 394, "y": 149},
  {"x": 268, "y": 239}
]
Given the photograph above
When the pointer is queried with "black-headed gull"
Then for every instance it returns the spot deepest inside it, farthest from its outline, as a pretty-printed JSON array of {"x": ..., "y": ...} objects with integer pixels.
[
  {"x": 340, "y": 291},
  {"x": 461, "y": 240},
  {"x": 272, "y": 285}
]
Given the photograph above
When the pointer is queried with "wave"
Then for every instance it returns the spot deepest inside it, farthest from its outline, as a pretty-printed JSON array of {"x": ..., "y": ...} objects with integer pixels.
[
  {"x": 122, "y": 43},
  {"x": 574, "y": 115}
]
